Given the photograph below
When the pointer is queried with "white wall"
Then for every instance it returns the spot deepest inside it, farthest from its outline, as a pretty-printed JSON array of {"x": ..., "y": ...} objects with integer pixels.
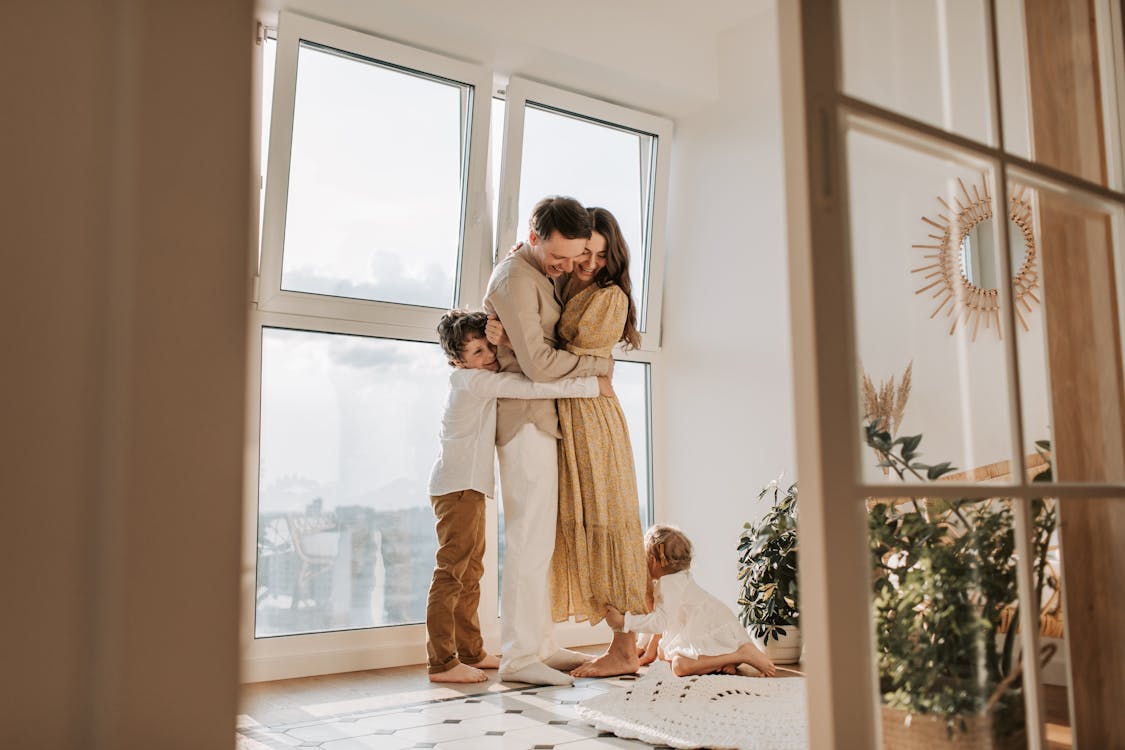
[{"x": 727, "y": 392}]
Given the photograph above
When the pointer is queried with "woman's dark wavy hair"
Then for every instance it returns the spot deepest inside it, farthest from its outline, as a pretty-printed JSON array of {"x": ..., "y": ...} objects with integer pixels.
[{"x": 616, "y": 269}]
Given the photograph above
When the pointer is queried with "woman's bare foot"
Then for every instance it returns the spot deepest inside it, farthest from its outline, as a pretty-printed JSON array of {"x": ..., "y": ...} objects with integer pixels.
[
  {"x": 462, "y": 673},
  {"x": 609, "y": 664},
  {"x": 489, "y": 662},
  {"x": 750, "y": 654},
  {"x": 620, "y": 658}
]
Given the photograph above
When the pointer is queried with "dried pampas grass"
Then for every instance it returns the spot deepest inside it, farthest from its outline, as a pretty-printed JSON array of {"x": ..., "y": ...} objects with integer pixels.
[{"x": 886, "y": 404}]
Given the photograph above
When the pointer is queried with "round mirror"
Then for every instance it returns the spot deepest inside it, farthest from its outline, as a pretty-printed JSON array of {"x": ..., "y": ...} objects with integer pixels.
[
  {"x": 961, "y": 271},
  {"x": 979, "y": 261}
]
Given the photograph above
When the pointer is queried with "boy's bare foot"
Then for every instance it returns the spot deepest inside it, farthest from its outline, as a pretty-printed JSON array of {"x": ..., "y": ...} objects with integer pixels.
[
  {"x": 750, "y": 654},
  {"x": 462, "y": 673},
  {"x": 609, "y": 664},
  {"x": 489, "y": 662}
]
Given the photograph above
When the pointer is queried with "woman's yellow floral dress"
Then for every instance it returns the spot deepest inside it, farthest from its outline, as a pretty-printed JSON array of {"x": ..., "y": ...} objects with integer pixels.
[{"x": 599, "y": 547}]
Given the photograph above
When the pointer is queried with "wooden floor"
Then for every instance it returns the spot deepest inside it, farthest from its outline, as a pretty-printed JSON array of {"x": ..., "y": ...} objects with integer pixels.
[{"x": 309, "y": 699}]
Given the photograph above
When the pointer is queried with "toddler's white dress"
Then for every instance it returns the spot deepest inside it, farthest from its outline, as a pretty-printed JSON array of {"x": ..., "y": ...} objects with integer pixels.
[{"x": 694, "y": 622}]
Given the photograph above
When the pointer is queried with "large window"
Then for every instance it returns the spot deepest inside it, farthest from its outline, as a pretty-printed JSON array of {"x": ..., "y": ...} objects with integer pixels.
[{"x": 377, "y": 217}]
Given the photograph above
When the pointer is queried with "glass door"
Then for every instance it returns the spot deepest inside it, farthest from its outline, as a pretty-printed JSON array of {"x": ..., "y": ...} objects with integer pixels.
[{"x": 957, "y": 277}]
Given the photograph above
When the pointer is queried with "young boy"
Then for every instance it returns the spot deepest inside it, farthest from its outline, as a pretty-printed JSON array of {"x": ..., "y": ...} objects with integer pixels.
[{"x": 462, "y": 477}]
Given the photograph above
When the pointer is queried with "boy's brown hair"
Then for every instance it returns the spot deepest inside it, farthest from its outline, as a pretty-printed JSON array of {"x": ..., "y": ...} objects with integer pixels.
[
  {"x": 669, "y": 547},
  {"x": 562, "y": 214},
  {"x": 456, "y": 328}
]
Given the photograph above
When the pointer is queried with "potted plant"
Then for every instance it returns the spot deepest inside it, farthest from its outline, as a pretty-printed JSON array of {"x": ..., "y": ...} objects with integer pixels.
[
  {"x": 767, "y": 557},
  {"x": 943, "y": 576}
]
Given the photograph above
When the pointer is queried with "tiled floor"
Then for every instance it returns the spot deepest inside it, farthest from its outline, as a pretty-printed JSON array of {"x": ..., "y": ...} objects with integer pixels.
[{"x": 503, "y": 716}]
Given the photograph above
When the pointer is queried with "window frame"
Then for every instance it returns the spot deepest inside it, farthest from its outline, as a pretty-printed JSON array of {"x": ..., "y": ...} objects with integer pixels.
[
  {"x": 522, "y": 91},
  {"x": 286, "y": 656},
  {"x": 474, "y": 257}
]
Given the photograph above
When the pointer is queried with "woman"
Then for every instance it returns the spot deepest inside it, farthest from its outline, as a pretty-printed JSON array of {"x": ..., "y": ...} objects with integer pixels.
[{"x": 599, "y": 557}]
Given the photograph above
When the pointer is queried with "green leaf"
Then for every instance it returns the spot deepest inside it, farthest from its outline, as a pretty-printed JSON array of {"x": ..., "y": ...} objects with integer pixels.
[{"x": 938, "y": 470}]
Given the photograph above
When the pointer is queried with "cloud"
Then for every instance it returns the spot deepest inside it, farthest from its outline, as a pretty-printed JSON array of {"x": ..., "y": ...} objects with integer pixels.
[{"x": 389, "y": 281}]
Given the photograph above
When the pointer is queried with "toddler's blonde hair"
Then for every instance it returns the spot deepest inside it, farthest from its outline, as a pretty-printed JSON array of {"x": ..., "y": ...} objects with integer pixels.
[{"x": 669, "y": 547}]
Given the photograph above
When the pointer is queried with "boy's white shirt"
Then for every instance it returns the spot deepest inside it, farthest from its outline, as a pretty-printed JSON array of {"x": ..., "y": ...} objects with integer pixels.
[{"x": 468, "y": 425}]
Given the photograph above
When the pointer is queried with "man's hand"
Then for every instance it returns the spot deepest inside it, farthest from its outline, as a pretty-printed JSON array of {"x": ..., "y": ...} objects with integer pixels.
[
  {"x": 614, "y": 618},
  {"x": 605, "y": 387},
  {"x": 495, "y": 333}
]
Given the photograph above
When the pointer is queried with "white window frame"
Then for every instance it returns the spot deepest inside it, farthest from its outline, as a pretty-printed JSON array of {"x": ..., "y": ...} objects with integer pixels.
[
  {"x": 475, "y": 260},
  {"x": 521, "y": 91},
  {"x": 280, "y": 657}
]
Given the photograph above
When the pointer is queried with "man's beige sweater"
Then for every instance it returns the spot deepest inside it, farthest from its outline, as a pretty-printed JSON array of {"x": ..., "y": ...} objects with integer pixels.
[{"x": 525, "y": 300}]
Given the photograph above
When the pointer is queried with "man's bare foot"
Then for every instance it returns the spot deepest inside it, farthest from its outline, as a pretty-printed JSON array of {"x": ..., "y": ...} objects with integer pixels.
[
  {"x": 462, "y": 673},
  {"x": 566, "y": 659},
  {"x": 750, "y": 654},
  {"x": 489, "y": 662},
  {"x": 609, "y": 664}
]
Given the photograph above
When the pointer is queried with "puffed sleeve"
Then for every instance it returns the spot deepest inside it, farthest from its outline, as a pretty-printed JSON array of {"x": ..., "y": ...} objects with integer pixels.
[{"x": 601, "y": 323}]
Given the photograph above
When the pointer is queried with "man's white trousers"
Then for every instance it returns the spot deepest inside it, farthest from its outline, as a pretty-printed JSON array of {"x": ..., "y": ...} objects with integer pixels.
[{"x": 529, "y": 487}]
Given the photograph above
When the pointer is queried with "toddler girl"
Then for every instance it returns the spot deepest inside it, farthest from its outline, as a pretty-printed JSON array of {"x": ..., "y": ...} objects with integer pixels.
[{"x": 700, "y": 633}]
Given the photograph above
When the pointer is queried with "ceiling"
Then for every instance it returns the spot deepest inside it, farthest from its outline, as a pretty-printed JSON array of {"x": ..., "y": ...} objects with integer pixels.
[{"x": 659, "y": 55}]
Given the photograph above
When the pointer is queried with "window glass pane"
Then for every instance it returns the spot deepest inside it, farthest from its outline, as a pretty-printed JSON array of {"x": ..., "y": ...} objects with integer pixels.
[
  {"x": 1058, "y": 78},
  {"x": 269, "y": 58},
  {"x": 376, "y": 181},
  {"x": 1047, "y": 580},
  {"x": 944, "y": 597},
  {"x": 349, "y": 435},
  {"x": 600, "y": 166},
  {"x": 916, "y": 209},
  {"x": 630, "y": 381},
  {"x": 495, "y": 156},
  {"x": 1071, "y": 358},
  {"x": 927, "y": 59}
]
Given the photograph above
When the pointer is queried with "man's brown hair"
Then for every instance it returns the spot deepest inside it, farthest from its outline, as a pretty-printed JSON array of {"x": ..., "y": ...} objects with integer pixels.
[
  {"x": 562, "y": 214},
  {"x": 456, "y": 328}
]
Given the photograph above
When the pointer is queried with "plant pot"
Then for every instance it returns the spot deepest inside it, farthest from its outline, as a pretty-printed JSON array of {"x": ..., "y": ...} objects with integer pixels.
[
  {"x": 783, "y": 650},
  {"x": 901, "y": 731}
]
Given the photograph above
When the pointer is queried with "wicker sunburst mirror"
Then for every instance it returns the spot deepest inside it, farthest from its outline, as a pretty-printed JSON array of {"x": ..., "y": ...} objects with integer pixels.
[{"x": 960, "y": 266}]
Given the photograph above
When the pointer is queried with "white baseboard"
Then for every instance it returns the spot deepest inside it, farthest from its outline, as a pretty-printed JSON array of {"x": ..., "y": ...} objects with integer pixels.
[{"x": 355, "y": 651}]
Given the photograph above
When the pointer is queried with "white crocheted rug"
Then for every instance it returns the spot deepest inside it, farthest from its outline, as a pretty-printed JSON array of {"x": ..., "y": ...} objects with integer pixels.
[{"x": 715, "y": 711}]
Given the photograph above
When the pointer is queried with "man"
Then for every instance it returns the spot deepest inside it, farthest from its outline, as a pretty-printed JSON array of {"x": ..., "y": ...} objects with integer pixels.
[{"x": 522, "y": 294}]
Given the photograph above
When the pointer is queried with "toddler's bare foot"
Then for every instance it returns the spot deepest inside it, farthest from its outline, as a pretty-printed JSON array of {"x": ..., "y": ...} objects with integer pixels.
[
  {"x": 649, "y": 654},
  {"x": 489, "y": 662},
  {"x": 728, "y": 669},
  {"x": 462, "y": 673},
  {"x": 750, "y": 654},
  {"x": 609, "y": 664}
]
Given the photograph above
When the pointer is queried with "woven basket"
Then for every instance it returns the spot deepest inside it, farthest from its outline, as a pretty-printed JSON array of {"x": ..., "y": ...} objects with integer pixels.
[
  {"x": 902, "y": 731},
  {"x": 905, "y": 731}
]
